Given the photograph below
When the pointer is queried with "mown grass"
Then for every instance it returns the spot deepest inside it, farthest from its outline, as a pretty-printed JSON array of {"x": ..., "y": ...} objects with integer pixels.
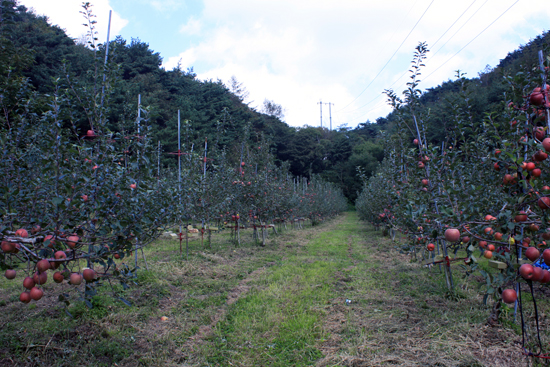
[{"x": 339, "y": 294}]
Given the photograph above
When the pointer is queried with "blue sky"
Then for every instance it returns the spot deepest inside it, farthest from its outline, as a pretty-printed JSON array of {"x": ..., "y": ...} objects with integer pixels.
[{"x": 298, "y": 52}]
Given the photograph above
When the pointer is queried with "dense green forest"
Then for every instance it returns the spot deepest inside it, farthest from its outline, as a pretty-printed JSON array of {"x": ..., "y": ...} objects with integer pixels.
[{"x": 47, "y": 58}]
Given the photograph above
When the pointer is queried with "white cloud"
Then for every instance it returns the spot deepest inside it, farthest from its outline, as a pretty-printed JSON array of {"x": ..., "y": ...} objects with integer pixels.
[
  {"x": 166, "y": 5},
  {"x": 192, "y": 27},
  {"x": 67, "y": 16},
  {"x": 297, "y": 52}
]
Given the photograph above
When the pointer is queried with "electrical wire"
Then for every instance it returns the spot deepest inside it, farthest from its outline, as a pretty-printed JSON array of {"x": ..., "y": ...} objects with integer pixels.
[
  {"x": 473, "y": 39},
  {"x": 456, "y": 20},
  {"x": 466, "y": 45},
  {"x": 458, "y": 30},
  {"x": 413, "y": 28}
]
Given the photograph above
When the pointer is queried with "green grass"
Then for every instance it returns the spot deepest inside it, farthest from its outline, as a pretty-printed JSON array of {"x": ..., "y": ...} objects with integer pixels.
[{"x": 279, "y": 305}]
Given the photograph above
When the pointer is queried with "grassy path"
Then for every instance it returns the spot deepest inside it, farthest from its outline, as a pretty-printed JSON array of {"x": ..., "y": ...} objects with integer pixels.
[
  {"x": 337, "y": 294},
  {"x": 347, "y": 298}
]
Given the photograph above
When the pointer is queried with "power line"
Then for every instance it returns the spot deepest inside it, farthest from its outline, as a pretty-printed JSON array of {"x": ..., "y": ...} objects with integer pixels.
[
  {"x": 413, "y": 28},
  {"x": 466, "y": 45},
  {"x": 473, "y": 39},
  {"x": 458, "y": 30},
  {"x": 456, "y": 20}
]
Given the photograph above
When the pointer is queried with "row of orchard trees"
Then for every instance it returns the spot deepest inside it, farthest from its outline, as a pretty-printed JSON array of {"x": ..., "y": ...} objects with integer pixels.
[
  {"x": 72, "y": 202},
  {"x": 247, "y": 189},
  {"x": 486, "y": 187}
]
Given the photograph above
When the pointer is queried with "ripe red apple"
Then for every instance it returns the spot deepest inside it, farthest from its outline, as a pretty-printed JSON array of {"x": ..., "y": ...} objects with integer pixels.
[
  {"x": 546, "y": 144},
  {"x": 133, "y": 186},
  {"x": 545, "y": 276},
  {"x": 496, "y": 166},
  {"x": 544, "y": 202},
  {"x": 7, "y": 247},
  {"x": 28, "y": 283},
  {"x": 89, "y": 274},
  {"x": 532, "y": 253},
  {"x": 509, "y": 296},
  {"x": 527, "y": 271},
  {"x": 420, "y": 164},
  {"x": 539, "y": 132},
  {"x": 491, "y": 247},
  {"x": 430, "y": 247},
  {"x": 90, "y": 133},
  {"x": 521, "y": 217},
  {"x": 60, "y": 255},
  {"x": 72, "y": 240},
  {"x": 488, "y": 254},
  {"x": 84, "y": 198},
  {"x": 537, "y": 274},
  {"x": 452, "y": 235},
  {"x": 40, "y": 278},
  {"x": 483, "y": 244},
  {"x": 546, "y": 256},
  {"x": 25, "y": 297},
  {"x": 22, "y": 233},
  {"x": 540, "y": 156},
  {"x": 43, "y": 265},
  {"x": 10, "y": 274},
  {"x": 536, "y": 172},
  {"x": 536, "y": 98},
  {"x": 36, "y": 293},
  {"x": 58, "y": 277},
  {"x": 530, "y": 166},
  {"x": 465, "y": 239},
  {"x": 415, "y": 141},
  {"x": 75, "y": 278}
]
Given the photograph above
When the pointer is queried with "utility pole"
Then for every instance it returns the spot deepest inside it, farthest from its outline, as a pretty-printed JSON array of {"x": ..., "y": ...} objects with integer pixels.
[
  {"x": 320, "y": 103},
  {"x": 330, "y": 113}
]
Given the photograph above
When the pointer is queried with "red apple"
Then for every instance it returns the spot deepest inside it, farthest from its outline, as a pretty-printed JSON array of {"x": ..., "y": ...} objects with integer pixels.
[
  {"x": 89, "y": 274},
  {"x": 72, "y": 240},
  {"x": 40, "y": 278},
  {"x": 36, "y": 293},
  {"x": 509, "y": 296},
  {"x": 545, "y": 276},
  {"x": 532, "y": 253},
  {"x": 452, "y": 235},
  {"x": 76, "y": 278},
  {"x": 22, "y": 233},
  {"x": 527, "y": 271},
  {"x": 25, "y": 297},
  {"x": 28, "y": 282},
  {"x": 43, "y": 265},
  {"x": 546, "y": 256},
  {"x": 10, "y": 274},
  {"x": 58, "y": 277}
]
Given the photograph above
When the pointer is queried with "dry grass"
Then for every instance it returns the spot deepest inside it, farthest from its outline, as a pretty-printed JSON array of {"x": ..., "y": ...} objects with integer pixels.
[{"x": 279, "y": 305}]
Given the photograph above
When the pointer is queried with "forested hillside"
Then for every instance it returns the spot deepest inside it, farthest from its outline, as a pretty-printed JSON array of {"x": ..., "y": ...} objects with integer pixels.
[{"x": 219, "y": 112}]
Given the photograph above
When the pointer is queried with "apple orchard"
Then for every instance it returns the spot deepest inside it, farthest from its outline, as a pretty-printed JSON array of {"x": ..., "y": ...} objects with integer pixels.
[
  {"x": 78, "y": 206},
  {"x": 479, "y": 202}
]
